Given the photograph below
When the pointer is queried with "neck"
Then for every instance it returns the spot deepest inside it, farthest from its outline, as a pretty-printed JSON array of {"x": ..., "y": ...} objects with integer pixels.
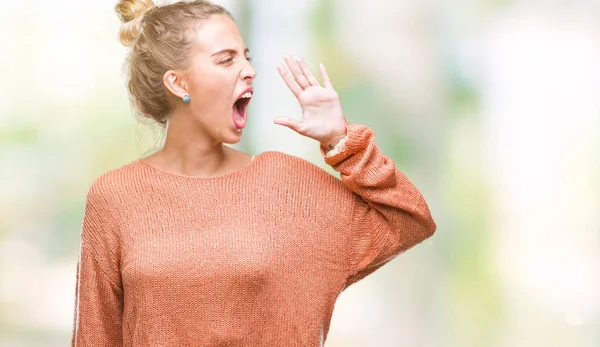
[{"x": 188, "y": 152}]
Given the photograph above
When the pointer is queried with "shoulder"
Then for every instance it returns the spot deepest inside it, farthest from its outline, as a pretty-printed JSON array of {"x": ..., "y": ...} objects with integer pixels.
[
  {"x": 286, "y": 161},
  {"x": 110, "y": 184},
  {"x": 300, "y": 169}
]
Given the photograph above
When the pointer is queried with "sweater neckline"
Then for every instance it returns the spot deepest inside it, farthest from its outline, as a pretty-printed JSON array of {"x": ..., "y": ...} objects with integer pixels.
[{"x": 241, "y": 171}]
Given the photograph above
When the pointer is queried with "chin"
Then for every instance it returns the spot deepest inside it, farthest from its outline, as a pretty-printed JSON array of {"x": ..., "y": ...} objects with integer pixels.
[{"x": 232, "y": 137}]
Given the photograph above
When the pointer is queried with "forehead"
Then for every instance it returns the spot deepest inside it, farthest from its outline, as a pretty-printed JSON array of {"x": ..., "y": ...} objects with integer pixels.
[{"x": 217, "y": 33}]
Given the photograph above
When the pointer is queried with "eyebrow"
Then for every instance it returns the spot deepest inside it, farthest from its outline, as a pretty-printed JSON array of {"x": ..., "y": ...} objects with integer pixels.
[{"x": 230, "y": 50}]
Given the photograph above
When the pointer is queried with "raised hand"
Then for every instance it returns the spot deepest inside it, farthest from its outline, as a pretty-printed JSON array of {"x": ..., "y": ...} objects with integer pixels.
[{"x": 322, "y": 116}]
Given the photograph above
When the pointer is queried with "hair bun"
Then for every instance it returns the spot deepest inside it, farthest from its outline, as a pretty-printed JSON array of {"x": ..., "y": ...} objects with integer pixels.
[{"x": 131, "y": 12}]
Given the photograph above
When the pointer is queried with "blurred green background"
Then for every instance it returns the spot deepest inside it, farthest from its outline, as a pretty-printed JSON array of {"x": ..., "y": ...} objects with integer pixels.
[{"x": 491, "y": 107}]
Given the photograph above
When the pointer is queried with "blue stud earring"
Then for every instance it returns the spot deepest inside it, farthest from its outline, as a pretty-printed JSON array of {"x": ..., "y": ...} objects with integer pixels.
[{"x": 186, "y": 98}]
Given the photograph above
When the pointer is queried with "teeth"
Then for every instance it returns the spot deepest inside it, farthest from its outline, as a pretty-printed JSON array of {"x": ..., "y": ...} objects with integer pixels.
[{"x": 247, "y": 95}]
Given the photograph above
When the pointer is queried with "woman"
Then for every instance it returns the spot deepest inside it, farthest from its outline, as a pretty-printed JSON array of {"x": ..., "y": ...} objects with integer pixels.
[{"x": 202, "y": 245}]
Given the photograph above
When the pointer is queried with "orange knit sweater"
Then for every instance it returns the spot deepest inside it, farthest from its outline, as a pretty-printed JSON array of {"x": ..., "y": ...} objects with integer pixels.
[{"x": 256, "y": 257}]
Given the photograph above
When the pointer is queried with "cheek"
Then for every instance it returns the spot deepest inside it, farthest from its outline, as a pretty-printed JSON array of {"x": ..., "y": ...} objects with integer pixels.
[
  {"x": 214, "y": 89},
  {"x": 213, "y": 94}
]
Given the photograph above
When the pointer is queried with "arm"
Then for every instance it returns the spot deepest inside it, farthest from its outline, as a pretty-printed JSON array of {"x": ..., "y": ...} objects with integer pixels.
[
  {"x": 389, "y": 214},
  {"x": 99, "y": 294}
]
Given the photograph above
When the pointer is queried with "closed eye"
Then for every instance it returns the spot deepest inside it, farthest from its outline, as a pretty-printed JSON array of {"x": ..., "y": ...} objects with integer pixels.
[{"x": 230, "y": 60}]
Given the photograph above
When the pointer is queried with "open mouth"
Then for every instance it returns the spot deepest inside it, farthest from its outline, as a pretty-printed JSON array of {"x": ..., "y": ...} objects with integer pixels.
[{"x": 240, "y": 109}]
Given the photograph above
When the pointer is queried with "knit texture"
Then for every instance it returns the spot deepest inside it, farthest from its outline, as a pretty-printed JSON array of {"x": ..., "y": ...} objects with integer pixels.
[{"x": 256, "y": 257}]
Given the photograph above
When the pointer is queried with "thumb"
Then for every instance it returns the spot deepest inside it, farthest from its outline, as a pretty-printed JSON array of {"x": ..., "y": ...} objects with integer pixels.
[{"x": 288, "y": 122}]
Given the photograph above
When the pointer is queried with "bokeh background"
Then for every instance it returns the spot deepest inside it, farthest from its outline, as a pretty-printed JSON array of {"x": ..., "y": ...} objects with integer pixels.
[{"x": 491, "y": 107}]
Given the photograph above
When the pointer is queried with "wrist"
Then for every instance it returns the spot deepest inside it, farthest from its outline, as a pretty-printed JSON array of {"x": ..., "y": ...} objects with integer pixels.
[
  {"x": 338, "y": 132},
  {"x": 330, "y": 142}
]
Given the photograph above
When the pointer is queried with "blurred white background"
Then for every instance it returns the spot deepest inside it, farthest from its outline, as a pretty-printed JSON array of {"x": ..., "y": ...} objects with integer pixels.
[{"x": 492, "y": 109}]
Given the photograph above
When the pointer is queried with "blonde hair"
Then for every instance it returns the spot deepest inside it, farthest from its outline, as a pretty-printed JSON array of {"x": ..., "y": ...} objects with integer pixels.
[{"x": 161, "y": 38}]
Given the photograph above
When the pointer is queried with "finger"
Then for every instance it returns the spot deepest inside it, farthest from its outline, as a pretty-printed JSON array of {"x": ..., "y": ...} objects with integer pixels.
[
  {"x": 289, "y": 122},
  {"x": 325, "y": 75},
  {"x": 289, "y": 81},
  {"x": 296, "y": 72},
  {"x": 306, "y": 71}
]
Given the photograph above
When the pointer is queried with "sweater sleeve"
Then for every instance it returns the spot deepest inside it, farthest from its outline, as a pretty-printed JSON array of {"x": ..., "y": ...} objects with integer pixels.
[
  {"x": 389, "y": 214},
  {"x": 99, "y": 292}
]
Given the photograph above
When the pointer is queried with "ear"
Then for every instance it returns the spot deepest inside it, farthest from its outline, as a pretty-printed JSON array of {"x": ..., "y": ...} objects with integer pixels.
[{"x": 174, "y": 82}]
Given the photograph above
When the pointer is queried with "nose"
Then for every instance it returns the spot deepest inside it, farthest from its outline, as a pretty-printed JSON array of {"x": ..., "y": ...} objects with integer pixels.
[{"x": 248, "y": 72}]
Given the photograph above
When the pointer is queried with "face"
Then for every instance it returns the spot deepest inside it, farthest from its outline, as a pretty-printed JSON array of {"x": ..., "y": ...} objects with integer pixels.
[{"x": 219, "y": 75}]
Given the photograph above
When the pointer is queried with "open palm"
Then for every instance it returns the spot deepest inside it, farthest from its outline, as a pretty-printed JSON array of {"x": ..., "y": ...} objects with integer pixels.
[{"x": 322, "y": 115}]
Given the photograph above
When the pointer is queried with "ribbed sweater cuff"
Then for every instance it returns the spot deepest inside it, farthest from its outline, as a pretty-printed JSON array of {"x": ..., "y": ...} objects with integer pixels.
[{"x": 358, "y": 137}]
